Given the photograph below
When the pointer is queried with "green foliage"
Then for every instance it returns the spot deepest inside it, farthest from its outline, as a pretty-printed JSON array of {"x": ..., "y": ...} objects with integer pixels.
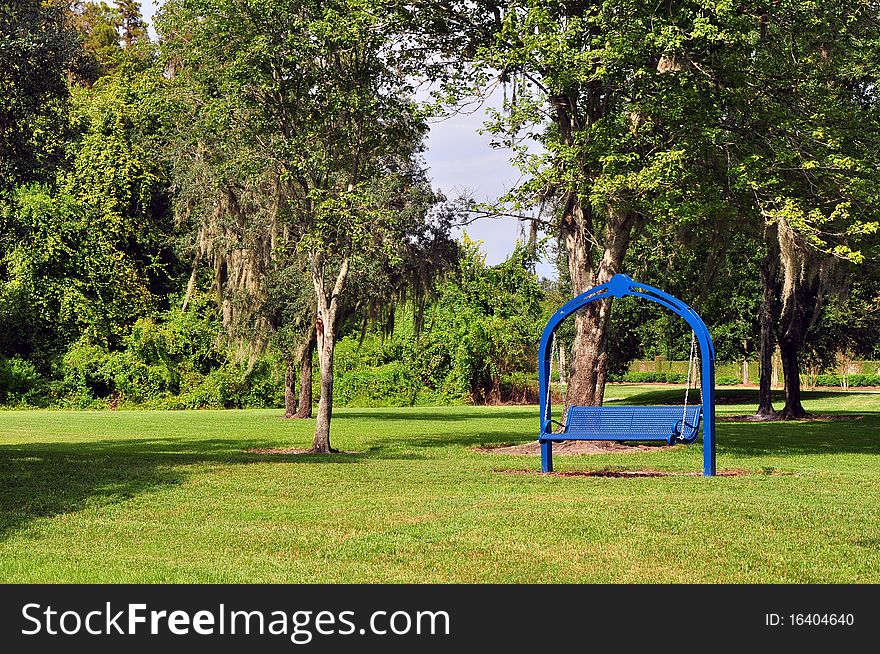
[
  {"x": 36, "y": 49},
  {"x": 704, "y": 122},
  {"x": 638, "y": 377},
  {"x": 857, "y": 380},
  {"x": 174, "y": 362},
  {"x": 20, "y": 382},
  {"x": 484, "y": 325},
  {"x": 713, "y": 268},
  {"x": 479, "y": 343},
  {"x": 391, "y": 384},
  {"x": 98, "y": 26},
  {"x": 87, "y": 255}
]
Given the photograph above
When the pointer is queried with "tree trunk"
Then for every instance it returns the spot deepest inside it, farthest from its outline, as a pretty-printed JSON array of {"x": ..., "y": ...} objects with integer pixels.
[
  {"x": 792, "y": 374},
  {"x": 289, "y": 386},
  {"x": 803, "y": 293},
  {"x": 325, "y": 337},
  {"x": 326, "y": 345},
  {"x": 304, "y": 409},
  {"x": 586, "y": 386},
  {"x": 563, "y": 369},
  {"x": 493, "y": 397},
  {"x": 589, "y": 360},
  {"x": 765, "y": 357}
]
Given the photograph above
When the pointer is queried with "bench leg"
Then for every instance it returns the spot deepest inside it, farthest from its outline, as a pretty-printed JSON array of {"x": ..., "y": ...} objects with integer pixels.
[{"x": 546, "y": 456}]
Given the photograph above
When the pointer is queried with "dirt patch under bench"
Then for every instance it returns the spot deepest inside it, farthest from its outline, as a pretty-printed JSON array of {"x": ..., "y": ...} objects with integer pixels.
[
  {"x": 624, "y": 474},
  {"x": 289, "y": 450}
]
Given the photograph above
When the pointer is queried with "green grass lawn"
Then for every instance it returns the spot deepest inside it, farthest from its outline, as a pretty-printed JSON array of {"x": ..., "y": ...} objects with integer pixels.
[{"x": 140, "y": 496}]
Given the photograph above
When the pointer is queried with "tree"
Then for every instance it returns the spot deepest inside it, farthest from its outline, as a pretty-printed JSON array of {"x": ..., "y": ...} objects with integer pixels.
[
  {"x": 804, "y": 137},
  {"x": 486, "y": 324},
  {"x": 38, "y": 48},
  {"x": 98, "y": 26},
  {"x": 319, "y": 96},
  {"x": 620, "y": 115},
  {"x": 131, "y": 22},
  {"x": 88, "y": 253}
]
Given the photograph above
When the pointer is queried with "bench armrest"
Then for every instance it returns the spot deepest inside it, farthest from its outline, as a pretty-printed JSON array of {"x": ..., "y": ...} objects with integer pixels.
[{"x": 548, "y": 426}]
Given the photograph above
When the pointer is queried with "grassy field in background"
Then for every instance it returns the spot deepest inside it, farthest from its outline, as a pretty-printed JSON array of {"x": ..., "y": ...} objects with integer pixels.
[{"x": 139, "y": 496}]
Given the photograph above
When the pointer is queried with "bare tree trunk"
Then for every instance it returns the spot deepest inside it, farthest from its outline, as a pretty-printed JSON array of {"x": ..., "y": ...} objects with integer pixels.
[
  {"x": 563, "y": 369},
  {"x": 791, "y": 371},
  {"x": 304, "y": 409},
  {"x": 326, "y": 344},
  {"x": 325, "y": 332},
  {"x": 289, "y": 386},
  {"x": 589, "y": 360},
  {"x": 765, "y": 357},
  {"x": 776, "y": 365},
  {"x": 576, "y": 223},
  {"x": 494, "y": 395},
  {"x": 586, "y": 385}
]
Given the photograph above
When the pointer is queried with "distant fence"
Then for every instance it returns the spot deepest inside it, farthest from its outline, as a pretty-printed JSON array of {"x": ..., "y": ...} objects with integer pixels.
[{"x": 845, "y": 374}]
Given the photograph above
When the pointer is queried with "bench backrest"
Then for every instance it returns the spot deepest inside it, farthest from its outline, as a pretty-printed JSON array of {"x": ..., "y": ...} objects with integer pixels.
[{"x": 623, "y": 420}]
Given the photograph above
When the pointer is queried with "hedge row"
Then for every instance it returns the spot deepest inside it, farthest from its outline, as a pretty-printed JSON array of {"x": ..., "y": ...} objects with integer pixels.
[
  {"x": 854, "y": 380},
  {"x": 833, "y": 379},
  {"x": 650, "y": 377}
]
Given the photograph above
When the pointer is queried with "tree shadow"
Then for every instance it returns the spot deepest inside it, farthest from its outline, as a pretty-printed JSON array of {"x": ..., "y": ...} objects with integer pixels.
[
  {"x": 741, "y": 439},
  {"x": 433, "y": 414},
  {"x": 472, "y": 438},
  {"x": 722, "y": 396},
  {"x": 46, "y": 479},
  {"x": 748, "y": 439}
]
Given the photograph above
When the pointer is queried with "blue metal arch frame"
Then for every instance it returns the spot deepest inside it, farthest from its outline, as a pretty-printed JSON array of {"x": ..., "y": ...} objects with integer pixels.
[{"x": 621, "y": 286}]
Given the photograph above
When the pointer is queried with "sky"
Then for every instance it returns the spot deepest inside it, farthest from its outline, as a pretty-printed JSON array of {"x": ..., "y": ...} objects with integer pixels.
[{"x": 461, "y": 160}]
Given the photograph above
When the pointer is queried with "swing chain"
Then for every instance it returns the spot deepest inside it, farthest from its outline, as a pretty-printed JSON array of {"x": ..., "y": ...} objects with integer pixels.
[{"x": 687, "y": 387}]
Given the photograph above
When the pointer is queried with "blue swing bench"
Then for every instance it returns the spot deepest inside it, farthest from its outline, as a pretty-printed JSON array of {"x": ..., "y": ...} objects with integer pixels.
[{"x": 672, "y": 424}]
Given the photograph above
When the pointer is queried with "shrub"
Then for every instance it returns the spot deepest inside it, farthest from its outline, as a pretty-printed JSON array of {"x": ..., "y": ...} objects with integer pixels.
[
  {"x": 391, "y": 384},
  {"x": 727, "y": 380},
  {"x": 20, "y": 381},
  {"x": 856, "y": 380},
  {"x": 520, "y": 388},
  {"x": 87, "y": 374},
  {"x": 638, "y": 377}
]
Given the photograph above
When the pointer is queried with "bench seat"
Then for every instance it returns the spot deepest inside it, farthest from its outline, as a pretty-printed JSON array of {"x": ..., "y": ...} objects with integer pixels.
[{"x": 628, "y": 423}]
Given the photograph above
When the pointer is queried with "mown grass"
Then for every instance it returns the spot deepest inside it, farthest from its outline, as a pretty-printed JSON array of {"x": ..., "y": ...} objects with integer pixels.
[{"x": 139, "y": 496}]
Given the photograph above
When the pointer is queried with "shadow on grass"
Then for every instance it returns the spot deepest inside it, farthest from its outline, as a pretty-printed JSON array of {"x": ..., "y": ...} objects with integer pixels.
[
  {"x": 46, "y": 479},
  {"x": 433, "y": 414},
  {"x": 723, "y": 396},
  {"x": 748, "y": 439},
  {"x": 800, "y": 438}
]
